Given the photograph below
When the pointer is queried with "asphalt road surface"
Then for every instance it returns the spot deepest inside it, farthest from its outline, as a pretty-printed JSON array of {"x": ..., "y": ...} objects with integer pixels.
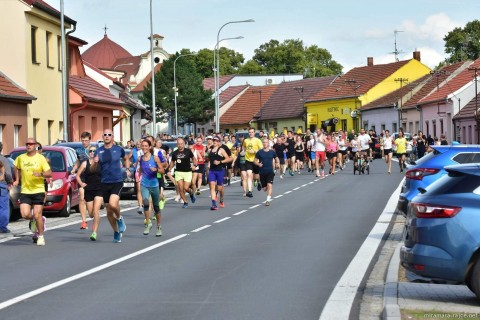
[{"x": 245, "y": 261}]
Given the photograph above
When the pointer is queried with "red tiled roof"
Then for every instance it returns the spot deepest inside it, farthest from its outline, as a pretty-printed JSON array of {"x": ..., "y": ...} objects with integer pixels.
[
  {"x": 231, "y": 93},
  {"x": 9, "y": 90},
  {"x": 289, "y": 99},
  {"x": 141, "y": 86},
  {"x": 105, "y": 53},
  {"x": 454, "y": 81},
  {"x": 405, "y": 93},
  {"x": 431, "y": 85},
  {"x": 49, "y": 9},
  {"x": 92, "y": 90},
  {"x": 208, "y": 83},
  {"x": 129, "y": 65},
  {"x": 247, "y": 106},
  {"x": 365, "y": 78},
  {"x": 468, "y": 111}
]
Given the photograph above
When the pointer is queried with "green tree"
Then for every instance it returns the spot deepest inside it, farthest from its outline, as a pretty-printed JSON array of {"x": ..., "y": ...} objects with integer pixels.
[
  {"x": 230, "y": 62},
  {"x": 292, "y": 56},
  {"x": 463, "y": 43},
  {"x": 194, "y": 104},
  {"x": 251, "y": 67}
]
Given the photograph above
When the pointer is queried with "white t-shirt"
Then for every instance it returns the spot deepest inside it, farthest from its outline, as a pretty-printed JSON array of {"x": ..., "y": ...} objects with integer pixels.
[
  {"x": 354, "y": 145},
  {"x": 319, "y": 145},
  {"x": 387, "y": 143},
  {"x": 363, "y": 139},
  {"x": 342, "y": 145}
]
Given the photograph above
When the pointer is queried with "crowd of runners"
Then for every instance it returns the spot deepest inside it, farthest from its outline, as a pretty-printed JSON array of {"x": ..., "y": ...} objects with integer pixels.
[{"x": 255, "y": 159}]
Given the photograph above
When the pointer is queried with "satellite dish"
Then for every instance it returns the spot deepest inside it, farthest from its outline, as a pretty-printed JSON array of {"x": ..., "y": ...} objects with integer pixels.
[{"x": 354, "y": 114}]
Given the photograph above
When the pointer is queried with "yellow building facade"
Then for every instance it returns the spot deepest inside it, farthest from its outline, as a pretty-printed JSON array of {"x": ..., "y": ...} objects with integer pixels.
[
  {"x": 32, "y": 49},
  {"x": 344, "y": 98}
]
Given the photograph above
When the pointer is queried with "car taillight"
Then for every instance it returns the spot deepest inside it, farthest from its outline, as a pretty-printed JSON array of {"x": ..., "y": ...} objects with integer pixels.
[
  {"x": 420, "y": 173},
  {"x": 424, "y": 210}
]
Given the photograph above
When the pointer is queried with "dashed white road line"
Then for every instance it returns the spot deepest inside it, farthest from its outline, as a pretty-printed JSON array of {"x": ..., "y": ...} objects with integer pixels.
[
  {"x": 279, "y": 196},
  {"x": 253, "y": 207},
  {"x": 311, "y": 182},
  {"x": 201, "y": 228},
  {"x": 221, "y": 220},
  {"x": 287, "y": 192},
  {"x": 62, "y": 282},
  {"x": 240, "y": 212},
  {"x": 295, "y": 189},
  {"x": 316, "y": 180}
]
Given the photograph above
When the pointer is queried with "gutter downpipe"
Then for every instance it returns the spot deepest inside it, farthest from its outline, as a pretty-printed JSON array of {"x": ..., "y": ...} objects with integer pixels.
[{"x": 83, "y": 106}]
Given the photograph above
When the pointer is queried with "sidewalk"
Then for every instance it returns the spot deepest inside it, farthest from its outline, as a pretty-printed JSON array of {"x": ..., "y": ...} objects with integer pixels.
[{"x": 390, "y": 296}]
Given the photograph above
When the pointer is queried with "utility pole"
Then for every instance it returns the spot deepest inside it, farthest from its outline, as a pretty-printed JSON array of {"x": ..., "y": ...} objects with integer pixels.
[
  {"x": 352, "y": 84},
  {"x": 400, "y": 117},
  {"x": 477, "y": 112}
]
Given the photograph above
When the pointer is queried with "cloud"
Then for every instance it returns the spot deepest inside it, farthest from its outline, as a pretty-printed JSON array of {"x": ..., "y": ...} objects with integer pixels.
[
  {"x": 435, "y": 27},
  {"x": 377, "y": 34}
]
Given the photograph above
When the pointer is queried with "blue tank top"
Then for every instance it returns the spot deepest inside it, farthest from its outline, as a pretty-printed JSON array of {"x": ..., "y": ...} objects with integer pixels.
[{"x": 149, "y": 177}]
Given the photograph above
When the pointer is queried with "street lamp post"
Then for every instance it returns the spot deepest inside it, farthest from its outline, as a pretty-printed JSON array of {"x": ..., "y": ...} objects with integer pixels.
[
  {"x": 154, "y": 111},
  {"x": 216, "y": 72},
  {"x": 175, "y": 89}
]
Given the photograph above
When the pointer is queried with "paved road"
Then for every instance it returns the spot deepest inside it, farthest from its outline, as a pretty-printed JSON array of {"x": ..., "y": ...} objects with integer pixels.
[{"x": 241, "y": 262}]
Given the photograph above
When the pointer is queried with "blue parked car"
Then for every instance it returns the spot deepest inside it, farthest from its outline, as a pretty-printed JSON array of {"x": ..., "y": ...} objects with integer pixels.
[
  {"x": 430, "y": 168},
  {"x": 442, "y": 230}
]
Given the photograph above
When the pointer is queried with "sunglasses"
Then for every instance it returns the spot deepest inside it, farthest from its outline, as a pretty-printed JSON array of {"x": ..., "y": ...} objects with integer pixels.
[
  {"x": 30, "y": 144},
  {"x": 90, "y": 151},
  {"x": 107, "y": 134}
]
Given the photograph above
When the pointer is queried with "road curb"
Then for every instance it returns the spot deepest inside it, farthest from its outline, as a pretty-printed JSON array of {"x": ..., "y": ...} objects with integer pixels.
[{"x": 391, "y": 309}]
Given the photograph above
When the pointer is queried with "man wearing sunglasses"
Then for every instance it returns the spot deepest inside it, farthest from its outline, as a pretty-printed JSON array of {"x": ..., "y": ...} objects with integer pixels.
[
  {"x": 108, "y": 157},
  {"x": 82, "y": 155},
  {"x": 32, "y": 168}
]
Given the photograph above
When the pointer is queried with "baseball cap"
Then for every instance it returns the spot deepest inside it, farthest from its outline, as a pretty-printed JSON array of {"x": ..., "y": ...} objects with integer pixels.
[
  {"x": 209, "y": 137},
  {"x": 217, "y": 138}
]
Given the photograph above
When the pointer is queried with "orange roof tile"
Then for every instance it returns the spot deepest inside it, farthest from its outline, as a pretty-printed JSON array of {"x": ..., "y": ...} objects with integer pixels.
[
  {"x": 364, "y": 79},
  {"x": 105, "y": 53},
  {"x": 454, "y": 81},
  {"x": 289, "y": 99},
  {"x": 231, "y": 93},
  {"x": 247, "y": 106},
  {"x": 92, "y": 90},
  {"x": 141, "y": 86},
  {"x": 9, "y": 90}
]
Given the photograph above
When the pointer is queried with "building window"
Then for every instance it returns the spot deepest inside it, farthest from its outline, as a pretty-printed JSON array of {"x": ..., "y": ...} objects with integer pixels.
[
  {"x": 441, "y": 127},
  {"x": 59, "y": 53},
  {"x": 33, "y": 36},
  {"x": 16, "y": 133},
  {"x": 60, "y": 129},
  {"x": 35, "y": 127},
  {"x": 417, "y": 127},
  {"x": 50, "y": 126},
  {"x": 48, "y": 43},
  {"x": 373, "y": 128},
  {"x": 394, "y": 127},
  {"x": 344, "y": 125},
  {"x": 383, "y": 127},
  {"x": 427, "y": 128}
]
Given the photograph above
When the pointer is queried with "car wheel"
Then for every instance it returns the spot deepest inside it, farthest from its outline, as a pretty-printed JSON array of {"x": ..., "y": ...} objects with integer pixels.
[
  {"x": 473, "y": 281},
  {"x": 65, "y": 212}
]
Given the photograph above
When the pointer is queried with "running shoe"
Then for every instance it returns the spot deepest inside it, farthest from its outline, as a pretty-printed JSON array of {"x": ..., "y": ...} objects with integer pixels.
[
  {"x": 140, "y": 210},
  {"x": 323, "y": 173},
  {"x": 259, "y": 186},
  {"x": 185, "y": 205},
  {"x": 291, "y": 172},
  {"x": 159, "y": 231},
  {"x": 32, "y": 225},
  {"x": 177, "y": 198},
  {"x": 148, "y": 227},
  {"x": 267, "y": 203},
  {"x": 255, "y": 183},
  {"x": 250, "y": 194},
  {"x": 222, "y": 204},
  {"x": 192, "y": 197},
  {"x": 93, "y": 236},
  {"x": 281, "y": 176},
  {"x": 35, "y": 237},
  {"x": 41, "y": 241},
  {"x": 198, "y": 192},
  {"x": 117, "y": 237},
  {"x": 162, "y": 202},
  {"x": 214, "y": 208},
  {"x": 84, "y": 225},
  {"x": 317, "y": 173},
  {"x": 121, "y": 225}
]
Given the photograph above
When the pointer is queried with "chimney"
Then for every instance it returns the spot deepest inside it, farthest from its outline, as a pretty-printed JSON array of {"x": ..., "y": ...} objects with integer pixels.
[
  {"x": 416, "y": 55},
  {"x": 370, "y": 61}
]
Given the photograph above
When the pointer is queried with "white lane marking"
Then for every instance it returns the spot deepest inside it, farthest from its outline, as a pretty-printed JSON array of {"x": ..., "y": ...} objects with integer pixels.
[
  {"x": 311, "y": 182},
  {"x": 303, "y": 185},
  {"x": 201, "y": 228},
  {"x": 341, "y": 299},
  {"x": 295, "y": 189},
  {"x": 287, "y": 192},
  {"x": 279, "y": 196},
  {"x": 240, "y": 212},
  {"x": 221, "y": 220},
  {"x": 253, "y": 207},
  {"x": 62, "y": 282},
  {"x": 316, "y": 180}
]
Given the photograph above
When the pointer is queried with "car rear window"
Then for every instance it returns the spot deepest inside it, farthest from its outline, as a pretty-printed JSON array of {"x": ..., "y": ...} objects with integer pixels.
[
  {"x": 453, "y": 183},
  {"x": 55, "y": 159},
  {"x": 467, "y": 157}
]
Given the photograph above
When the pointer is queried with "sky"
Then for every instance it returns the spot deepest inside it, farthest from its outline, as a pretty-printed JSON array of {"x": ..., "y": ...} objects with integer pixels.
[{"x": 351, "y": 30}]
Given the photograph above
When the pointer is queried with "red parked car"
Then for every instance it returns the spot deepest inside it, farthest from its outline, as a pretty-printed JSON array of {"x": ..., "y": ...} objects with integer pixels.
[{"x": 63, "y": 194}]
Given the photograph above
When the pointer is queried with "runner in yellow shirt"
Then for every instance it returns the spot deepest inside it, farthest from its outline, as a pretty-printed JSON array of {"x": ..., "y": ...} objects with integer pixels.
[
  {"x": 251, "y": 145},
  {"x": 32, "y": 168},
  {"x": 401, "y": 144}
]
